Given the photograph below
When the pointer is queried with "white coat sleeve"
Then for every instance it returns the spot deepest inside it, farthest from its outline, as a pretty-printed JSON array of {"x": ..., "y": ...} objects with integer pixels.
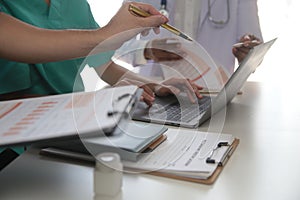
[
  {"x": 132, "y": 52},
  {"x": 248, "y": 20}
]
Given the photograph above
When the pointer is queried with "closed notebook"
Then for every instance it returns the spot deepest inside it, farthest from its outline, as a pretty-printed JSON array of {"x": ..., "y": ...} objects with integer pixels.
[
  {"x": 134, "y": 137},
  {"x": 128, "y": 141}
]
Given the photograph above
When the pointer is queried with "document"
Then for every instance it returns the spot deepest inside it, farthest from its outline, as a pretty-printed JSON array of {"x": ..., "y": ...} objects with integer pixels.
[
  {"x": 198, "y": 66},
  {"x": 56, "y": 116},
  {"x": 185, "y": 153}
]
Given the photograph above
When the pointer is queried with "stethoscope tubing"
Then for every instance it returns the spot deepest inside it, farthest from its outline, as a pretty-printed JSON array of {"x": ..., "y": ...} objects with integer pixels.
[{"x": 163, "y": 10}]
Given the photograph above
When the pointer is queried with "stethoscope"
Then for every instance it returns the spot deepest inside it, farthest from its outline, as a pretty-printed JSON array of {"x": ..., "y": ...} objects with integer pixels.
[
  {"x": 215, "y": 21},
  {"x": 163, "y": 10}
]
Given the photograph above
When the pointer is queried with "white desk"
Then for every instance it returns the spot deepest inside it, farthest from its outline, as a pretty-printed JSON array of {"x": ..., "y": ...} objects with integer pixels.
[{"x": 266, "y": 164}]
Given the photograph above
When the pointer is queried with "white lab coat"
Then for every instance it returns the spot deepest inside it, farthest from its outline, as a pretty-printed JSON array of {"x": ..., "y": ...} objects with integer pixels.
[{"x": 218, "y": 39}]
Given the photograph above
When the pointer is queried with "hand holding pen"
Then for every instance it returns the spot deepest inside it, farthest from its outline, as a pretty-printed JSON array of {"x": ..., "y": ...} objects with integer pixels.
[
  {"x": 139, "y": 11},
  {"x": 241, "y": 49},
  {"x": 125, "y": 22}
]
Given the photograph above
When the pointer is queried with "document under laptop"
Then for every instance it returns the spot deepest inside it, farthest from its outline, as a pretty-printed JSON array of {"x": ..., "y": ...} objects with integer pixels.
[{"x": 179, "y": 111}]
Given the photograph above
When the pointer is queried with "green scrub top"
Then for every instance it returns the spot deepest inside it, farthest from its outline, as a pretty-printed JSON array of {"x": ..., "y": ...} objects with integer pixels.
[{"x": 54, "y": 77}]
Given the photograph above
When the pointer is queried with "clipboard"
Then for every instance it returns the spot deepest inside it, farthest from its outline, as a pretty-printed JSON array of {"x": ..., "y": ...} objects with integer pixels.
[
  {"x": 188, "y": 155},
  {"x": 208, "y": 181}
]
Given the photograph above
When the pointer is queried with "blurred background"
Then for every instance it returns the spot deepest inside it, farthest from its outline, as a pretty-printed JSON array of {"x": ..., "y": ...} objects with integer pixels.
[{"x": 278, "y": 18}]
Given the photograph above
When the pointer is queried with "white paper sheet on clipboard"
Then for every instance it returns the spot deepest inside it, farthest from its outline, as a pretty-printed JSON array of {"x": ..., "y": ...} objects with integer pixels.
[{"x": 185, "y": 154}]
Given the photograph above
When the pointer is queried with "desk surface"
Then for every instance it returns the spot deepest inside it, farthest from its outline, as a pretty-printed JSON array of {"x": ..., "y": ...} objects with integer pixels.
[{"x": 266, "y": 164}]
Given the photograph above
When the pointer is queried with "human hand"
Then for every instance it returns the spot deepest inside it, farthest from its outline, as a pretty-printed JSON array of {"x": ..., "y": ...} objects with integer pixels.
[
  {"x": 148, "y": 94},
  {"x": 241, "y": 49},
  {"x": 125, "y": 21},
  {"x": 178, "y": 85},
  {"x": 166, "y": 49},
  {"x": 172, "y": 86}
]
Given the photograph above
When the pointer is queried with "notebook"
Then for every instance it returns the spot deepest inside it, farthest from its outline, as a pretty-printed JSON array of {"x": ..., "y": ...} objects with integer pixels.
[
  {"x": 129, "y": 142},
  {"x": 179, "y": 111}
]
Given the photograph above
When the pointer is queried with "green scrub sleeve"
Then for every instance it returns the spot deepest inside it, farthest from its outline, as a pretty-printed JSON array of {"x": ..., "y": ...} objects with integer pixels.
[{"x": 99, "y": 59}]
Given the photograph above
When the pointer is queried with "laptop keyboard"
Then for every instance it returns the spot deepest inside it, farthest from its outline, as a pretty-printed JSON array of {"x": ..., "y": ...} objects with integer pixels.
[{"x": 185, "y": 111}]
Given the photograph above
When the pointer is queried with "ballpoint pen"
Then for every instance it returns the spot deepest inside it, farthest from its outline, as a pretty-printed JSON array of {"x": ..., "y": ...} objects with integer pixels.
[
  {"x": 137, "y": 11},
  {"x": 240, "y": 44}
]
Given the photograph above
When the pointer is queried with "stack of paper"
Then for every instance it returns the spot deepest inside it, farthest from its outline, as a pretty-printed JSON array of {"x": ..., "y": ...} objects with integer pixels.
[{"x": 185, "y": 154}]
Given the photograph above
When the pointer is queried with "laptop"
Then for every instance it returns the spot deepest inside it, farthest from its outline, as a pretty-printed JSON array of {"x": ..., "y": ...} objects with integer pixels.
[{"x": 179, "y": 111}]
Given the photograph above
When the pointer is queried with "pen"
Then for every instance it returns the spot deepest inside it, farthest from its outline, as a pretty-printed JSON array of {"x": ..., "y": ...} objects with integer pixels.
[
  {"x": 142, "y": 13},
  {"x": 240, "y": 44},
  {"x": 226, "y": 156},
  {"x": 206, "y": 91},
  {"x": 215, "y": 92}
]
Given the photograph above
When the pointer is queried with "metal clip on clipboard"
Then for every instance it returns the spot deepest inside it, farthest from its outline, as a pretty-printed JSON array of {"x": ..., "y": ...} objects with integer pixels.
[{"x": 224, "y": 158}]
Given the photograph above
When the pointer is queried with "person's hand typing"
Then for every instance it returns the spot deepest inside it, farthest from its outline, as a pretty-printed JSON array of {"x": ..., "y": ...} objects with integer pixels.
[
  {"x": 172, "y": 86},
  {"x": 148, "y": 95},
  {"x": 178, "y": 85}
]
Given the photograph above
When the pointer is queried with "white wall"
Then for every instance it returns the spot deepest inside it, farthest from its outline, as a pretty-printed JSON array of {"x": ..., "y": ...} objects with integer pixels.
[
  {"x": 279, "y": 18},
  {"x": 102, "y": 11}
]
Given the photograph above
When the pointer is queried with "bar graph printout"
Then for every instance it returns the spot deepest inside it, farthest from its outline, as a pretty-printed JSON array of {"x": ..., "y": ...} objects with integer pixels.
[{"x": 59, "y": 115}]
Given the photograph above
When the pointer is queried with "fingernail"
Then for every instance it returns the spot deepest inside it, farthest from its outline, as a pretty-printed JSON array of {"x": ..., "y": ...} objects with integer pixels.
[
  {"x": 164, "y": 19},
  {"x": 247, "y": 37}
]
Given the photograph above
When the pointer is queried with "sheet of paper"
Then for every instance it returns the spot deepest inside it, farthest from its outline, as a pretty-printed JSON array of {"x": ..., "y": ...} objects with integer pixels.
[
  {"x": 191, "y": 66},
  {"x": 184, "y": 152},
  {"x": 198, "y": 66},
  {"x": 61, "y": 115}
]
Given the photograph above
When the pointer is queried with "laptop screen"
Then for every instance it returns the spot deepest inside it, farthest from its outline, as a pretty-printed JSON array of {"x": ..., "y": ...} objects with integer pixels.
[{"x": 240, "y": 76}]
